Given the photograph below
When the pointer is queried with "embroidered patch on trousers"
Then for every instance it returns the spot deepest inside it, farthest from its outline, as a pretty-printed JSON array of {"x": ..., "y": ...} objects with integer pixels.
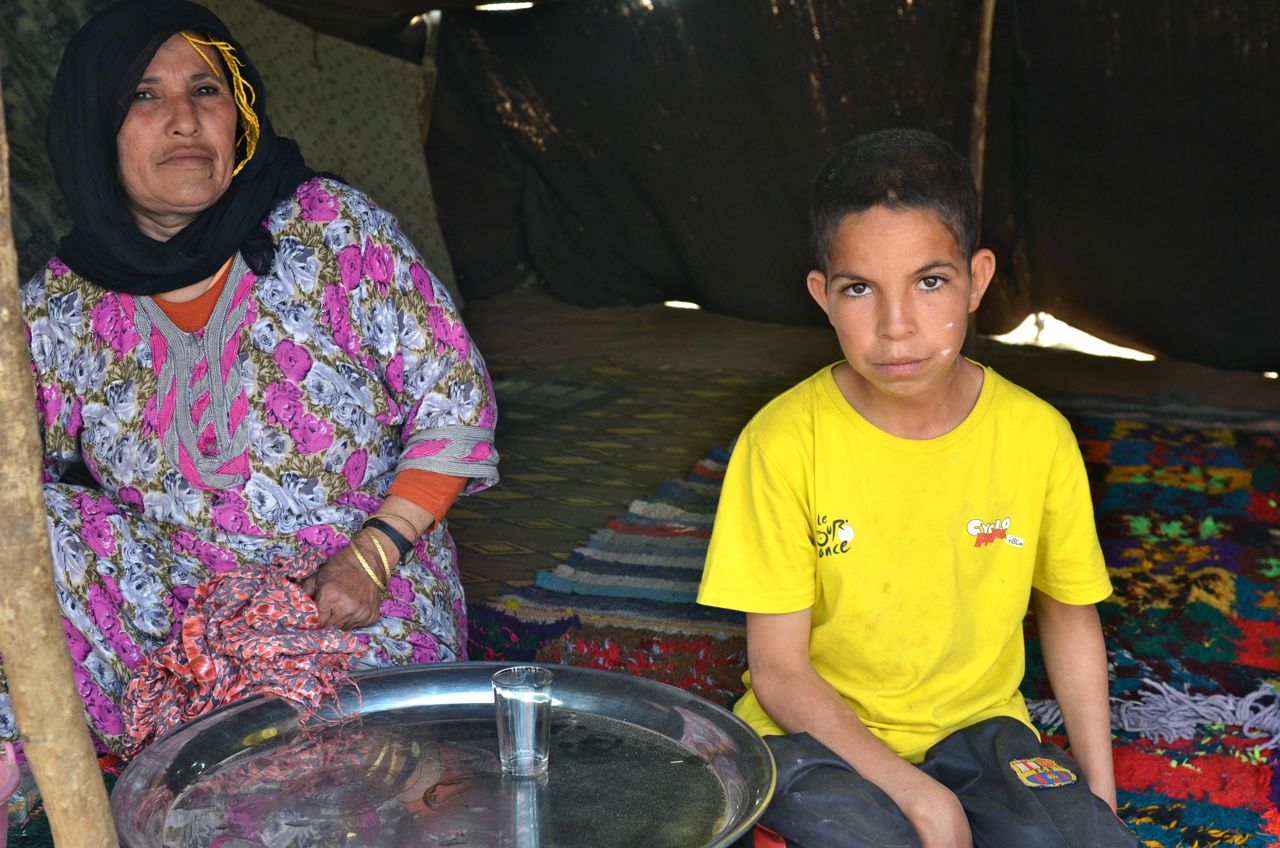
[{"x": 1042, "y": 773}]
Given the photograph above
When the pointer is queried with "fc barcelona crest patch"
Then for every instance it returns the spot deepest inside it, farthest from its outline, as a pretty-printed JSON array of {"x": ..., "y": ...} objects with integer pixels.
[{"x": 1042, "y": 773}]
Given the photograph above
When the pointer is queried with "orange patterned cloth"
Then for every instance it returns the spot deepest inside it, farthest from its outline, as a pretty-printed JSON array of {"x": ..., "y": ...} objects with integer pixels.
[{"x": 246, "y": 632}]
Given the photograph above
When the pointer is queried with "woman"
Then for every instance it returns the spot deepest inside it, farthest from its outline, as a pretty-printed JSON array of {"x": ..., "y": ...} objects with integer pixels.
[{"x": 250, "y": 360}]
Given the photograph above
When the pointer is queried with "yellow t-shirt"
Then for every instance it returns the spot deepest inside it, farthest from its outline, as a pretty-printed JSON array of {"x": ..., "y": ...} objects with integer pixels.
[{"x": 917, "y": 557}]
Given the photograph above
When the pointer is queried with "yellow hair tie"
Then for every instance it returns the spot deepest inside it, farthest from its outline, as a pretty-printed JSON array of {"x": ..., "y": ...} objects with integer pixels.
[{"x": 243, "y": 93}]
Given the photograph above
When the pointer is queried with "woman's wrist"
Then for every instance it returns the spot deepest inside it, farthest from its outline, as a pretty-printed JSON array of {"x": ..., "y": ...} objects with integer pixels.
[
  {"x": 409, "y": 517},
  {"x": 378, "y": 523}
]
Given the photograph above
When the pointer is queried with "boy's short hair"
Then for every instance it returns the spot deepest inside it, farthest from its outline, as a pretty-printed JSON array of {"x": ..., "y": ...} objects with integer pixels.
[{"x": 897, "y": 169}]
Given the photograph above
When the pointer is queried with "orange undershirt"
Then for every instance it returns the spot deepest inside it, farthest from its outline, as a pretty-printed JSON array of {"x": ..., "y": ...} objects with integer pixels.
[{"x": 426, "y": 489}]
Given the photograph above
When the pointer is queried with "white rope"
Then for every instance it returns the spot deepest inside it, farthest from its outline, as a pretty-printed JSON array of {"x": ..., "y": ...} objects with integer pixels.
[{"x": 1164, "y": 713}]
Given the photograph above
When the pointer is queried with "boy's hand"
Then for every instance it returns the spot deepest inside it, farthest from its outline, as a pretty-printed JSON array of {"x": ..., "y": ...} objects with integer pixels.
[{"x": 936, "y": 814}]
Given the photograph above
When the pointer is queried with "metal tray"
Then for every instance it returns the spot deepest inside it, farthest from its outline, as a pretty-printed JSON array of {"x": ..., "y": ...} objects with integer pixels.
[{"x": 409, "y": 757}]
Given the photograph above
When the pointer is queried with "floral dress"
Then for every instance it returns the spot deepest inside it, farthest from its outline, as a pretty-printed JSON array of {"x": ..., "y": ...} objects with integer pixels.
[{"x": 275, "y": 429}]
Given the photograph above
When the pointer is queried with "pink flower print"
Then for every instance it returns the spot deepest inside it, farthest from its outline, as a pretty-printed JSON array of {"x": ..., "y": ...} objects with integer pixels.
[
  {"x": 131, "y": 496},
  {"x": 231, "y": 513},
  {"x": 112, "y": 327},
  {"x": 75, "y": 423},
  {"x": 447, "y": 333},
  {"x": 97, "y": 534},
  {"x": 354, "y": 468},
  {"x": 284, "y": 402},
  {"x": 150, "y": 417},
  {"x": 337, "y": 314},
  {"x": 395, "y": 372},
  {"x": 311, "y": 434},
  {"x": 317, "y": 204},
  {"x": 400, "y": 589},
  {"x": 400, "y": 604},
  {"x": 76, "y": 643},
  {"x": 360, "y": 500},
  {"x": 86, "y": 505},
  {"x": 57, "y": 267},
  {"x": 425, "y": 647},
  {"x": 396, "y": 608},
  {"x": 460, "y": 616},
  {"x": 104, "y": 712},
  {"x": 90, "y": 506},
  {"x": 214, "y": 558},
  {"x": 323, "y": 538},
  {"x": 184, "y": 541},
  {"x": 107, "y": 617},
  {"x": 49, "y": 402},
  {"x": 109, "y": 585},
  {"x": 422, "y": 282},
  {"x": 293, "y": 359},
  {"x": 378, "y": 264},
  {"x": 488, "y": 416},
  {"x": 350, "y": 264}
]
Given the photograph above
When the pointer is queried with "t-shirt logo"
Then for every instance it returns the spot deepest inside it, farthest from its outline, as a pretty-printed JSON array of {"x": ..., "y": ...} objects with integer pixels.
[
  {"x": 984, "y": 533},
  {"x": 832, "y": 536}
]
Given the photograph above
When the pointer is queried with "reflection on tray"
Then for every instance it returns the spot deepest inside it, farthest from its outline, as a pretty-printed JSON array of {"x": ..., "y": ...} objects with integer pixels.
[{"x": 627, "y": 768}]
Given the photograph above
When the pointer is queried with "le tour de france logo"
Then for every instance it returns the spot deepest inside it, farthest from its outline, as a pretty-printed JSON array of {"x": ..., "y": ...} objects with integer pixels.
[
  {"x": 833, "y": 536},
  {"x": 984, "y": 533}
]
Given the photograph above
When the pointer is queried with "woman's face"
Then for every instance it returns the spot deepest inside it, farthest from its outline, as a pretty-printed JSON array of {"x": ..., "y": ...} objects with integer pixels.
[{"x": 177, "y": 147}]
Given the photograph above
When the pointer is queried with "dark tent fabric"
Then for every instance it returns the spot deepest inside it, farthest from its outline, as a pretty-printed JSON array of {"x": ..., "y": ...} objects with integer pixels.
[
  {"x": 1144, "y": 141},
  {"x": 664, "y": 150}
]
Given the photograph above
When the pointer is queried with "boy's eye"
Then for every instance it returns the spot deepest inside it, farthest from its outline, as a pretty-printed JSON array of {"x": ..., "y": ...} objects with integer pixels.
[
  {"x": 856, "y": 289},
  {"x": 931, "y": 283}
]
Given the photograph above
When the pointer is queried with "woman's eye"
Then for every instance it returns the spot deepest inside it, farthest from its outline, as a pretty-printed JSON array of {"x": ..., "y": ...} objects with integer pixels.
[
  {"x": 207, "y": 90},
  {"x": 931, "y": 283},
  {"x": 140, "y": 94}
]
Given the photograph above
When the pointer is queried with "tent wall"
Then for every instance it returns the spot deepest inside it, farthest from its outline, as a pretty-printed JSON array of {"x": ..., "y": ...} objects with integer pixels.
[
  {"x": 664, "y": 149},
  {"x": 658, "y": 149},
  {"x": 1140, "y": 159}
]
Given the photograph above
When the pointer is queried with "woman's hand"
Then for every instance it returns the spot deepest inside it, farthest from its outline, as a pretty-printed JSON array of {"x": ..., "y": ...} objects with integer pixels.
[{"x": 345, "y": 595}]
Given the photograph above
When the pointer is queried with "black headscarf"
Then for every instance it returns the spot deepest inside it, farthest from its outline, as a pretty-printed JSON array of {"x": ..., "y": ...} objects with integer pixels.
[{"x": 91, "y": 96}]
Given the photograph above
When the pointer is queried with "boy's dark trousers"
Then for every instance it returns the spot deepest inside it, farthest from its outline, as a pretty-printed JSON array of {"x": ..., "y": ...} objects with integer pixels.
[{"x": 820, "y": 802}]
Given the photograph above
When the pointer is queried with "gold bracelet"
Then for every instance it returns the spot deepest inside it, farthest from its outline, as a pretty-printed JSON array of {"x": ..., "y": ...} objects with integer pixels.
[
  {"x": 364, "y": 563},
  {"x": 382, "y": 555},
  {"x": 414, "y": 532}
]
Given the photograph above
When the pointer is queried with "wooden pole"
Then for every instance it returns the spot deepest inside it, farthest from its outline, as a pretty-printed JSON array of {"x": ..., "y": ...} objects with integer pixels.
[
  {"x": 981, "y": 83},
  {"x": 978, "y": 134},
  {"x": 36, "y": 661}
]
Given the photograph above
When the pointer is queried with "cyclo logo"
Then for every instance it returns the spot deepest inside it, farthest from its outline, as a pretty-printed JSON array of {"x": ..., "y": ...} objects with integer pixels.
[
  {"x": 985, "y": 534},
  {"x": 833, "y": 537}
]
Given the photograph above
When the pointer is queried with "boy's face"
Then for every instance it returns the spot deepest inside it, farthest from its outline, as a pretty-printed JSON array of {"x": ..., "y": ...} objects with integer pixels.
[{"x": 898, "y": 291}]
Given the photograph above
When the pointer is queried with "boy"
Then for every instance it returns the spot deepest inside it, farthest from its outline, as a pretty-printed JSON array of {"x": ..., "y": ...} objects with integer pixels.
[{"x": 885, "y": 522}]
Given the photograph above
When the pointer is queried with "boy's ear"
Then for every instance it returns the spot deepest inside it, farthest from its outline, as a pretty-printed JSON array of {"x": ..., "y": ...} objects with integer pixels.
[
  {"x": 817, "y": 282},
  {"x": 982, "y": 267}
]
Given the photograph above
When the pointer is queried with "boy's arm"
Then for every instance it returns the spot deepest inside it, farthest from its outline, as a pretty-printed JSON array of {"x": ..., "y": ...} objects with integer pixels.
[
  {"x": 1075, "y": 657},
  {"x": 797, "y": 698}
]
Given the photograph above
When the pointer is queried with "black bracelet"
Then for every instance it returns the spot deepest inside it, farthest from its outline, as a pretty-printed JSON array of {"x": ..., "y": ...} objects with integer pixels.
[{"x": 397, "y": 538}]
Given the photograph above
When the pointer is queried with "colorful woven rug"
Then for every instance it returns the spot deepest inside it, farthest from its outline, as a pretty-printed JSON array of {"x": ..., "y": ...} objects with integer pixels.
[{"x": 1190, "y": 523}]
